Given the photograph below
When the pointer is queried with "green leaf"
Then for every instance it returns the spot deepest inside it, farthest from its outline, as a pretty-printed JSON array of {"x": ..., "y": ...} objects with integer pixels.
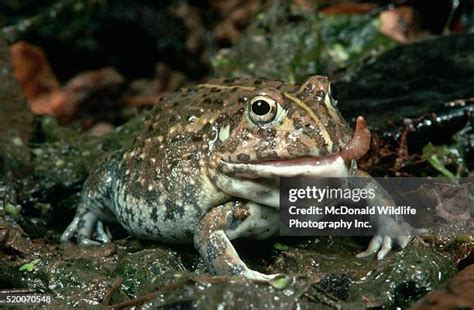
[
  {"x": 280, "y": 247},
  {"x": 29, "y": 267},
  {"x": 13, "y": 211},
  {"x": 280, "y": 282}
]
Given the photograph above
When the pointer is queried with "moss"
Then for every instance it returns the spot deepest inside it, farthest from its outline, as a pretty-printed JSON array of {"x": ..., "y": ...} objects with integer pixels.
[{"x": 138, "y": 269}]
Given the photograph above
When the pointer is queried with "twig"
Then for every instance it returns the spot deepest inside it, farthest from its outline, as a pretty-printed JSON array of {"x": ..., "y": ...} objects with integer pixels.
[
  {"x": 115, "y": 286},
  {"x": 135, "y": 301}
]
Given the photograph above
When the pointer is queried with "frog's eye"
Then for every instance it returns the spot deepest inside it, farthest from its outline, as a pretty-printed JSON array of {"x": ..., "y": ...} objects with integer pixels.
[
  {"x": 333, "y": 96},
  {"x": 262, "y": 109}
]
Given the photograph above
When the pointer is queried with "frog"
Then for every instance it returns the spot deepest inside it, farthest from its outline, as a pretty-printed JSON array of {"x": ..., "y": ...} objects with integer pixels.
[{"x": 206, "y": 166}]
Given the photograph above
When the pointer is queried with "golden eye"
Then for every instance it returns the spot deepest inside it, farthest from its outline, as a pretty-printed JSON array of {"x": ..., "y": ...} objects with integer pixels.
[{"x": 262, "y": 109}]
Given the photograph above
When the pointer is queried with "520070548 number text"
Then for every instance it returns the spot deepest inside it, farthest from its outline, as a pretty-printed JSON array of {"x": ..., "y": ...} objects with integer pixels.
[{"x": 16, "y": 297}]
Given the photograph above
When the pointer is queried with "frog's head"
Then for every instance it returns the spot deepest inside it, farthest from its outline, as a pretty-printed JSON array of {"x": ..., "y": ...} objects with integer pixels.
[{"x": 289, "y": 131}]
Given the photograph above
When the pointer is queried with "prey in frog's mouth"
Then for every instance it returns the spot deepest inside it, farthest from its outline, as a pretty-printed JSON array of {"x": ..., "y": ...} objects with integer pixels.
[{"x": 330, "y": 165}]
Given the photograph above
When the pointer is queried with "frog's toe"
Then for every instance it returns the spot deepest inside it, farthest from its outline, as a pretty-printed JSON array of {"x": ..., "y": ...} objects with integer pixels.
[
  {"x": 386, "y": 248},
  {"x": 87, "y": 229},
  {"x": 70, "y": 231},
  {"x": 255, "y": 275},
  {"x": 83, "y": 240},
  {"x": 388, "y": 243},
  {"x": 103, "y": 235},
  {"x": 373, "y": 247},
  {"x": 382, "y": 245}
]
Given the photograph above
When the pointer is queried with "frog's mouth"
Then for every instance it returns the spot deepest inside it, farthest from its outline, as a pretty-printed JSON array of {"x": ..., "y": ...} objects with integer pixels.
[{"x": 331, "y": 165}]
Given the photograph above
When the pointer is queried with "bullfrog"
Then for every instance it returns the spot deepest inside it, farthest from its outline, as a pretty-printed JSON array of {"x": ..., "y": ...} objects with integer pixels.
[{"x": 206, "y": 166}]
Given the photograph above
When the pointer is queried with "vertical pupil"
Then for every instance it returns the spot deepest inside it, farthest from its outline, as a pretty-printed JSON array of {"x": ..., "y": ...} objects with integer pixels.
[{"x": 260, "y": 107}]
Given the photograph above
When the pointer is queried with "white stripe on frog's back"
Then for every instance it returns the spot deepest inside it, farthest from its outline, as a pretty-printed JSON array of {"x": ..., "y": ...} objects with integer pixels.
[{"x": 322, "y": 129}]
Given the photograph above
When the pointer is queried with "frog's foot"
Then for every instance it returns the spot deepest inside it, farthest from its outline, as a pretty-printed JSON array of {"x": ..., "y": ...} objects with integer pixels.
[
  {"x": 382, "y": 245},
  {"x": 87, "y": 229},
  {"x": 211, "y": 239}
]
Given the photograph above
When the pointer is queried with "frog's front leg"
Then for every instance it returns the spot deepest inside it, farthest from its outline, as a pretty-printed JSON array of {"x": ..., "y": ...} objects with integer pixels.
[
  {"x": 228, "y": 221},
  {"x": 391, "y": 232}
]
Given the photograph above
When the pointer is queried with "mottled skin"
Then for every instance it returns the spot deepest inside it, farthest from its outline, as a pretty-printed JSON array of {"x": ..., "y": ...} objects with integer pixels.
[{"x": 206, "y": 167}]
